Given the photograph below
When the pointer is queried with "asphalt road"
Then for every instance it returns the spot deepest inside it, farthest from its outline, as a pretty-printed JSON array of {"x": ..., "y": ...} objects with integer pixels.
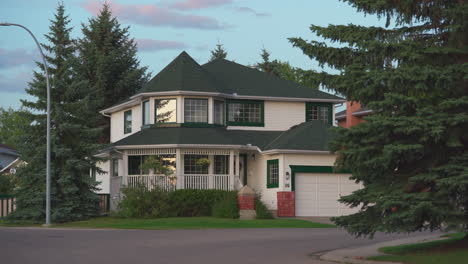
[{"x": 236, "y": 246}]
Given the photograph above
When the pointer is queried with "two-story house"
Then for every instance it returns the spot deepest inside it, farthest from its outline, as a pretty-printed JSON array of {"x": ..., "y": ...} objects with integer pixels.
[{"x": 248, "y": 128}]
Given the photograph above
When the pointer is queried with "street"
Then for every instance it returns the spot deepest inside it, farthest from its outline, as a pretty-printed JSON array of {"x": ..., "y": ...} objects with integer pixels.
[{"x": 226, "y": 246}]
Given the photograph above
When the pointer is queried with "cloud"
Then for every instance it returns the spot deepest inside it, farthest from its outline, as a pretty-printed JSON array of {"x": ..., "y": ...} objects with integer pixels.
[
  {"x": 152, "y": 15},
  {"x": 15, "y": 84},
  {"x": 157, "y": 45},
  {"x": 199, "y": 4},
  {"x": 245, "y": 9},
  {"x": 17, "y": 57}
]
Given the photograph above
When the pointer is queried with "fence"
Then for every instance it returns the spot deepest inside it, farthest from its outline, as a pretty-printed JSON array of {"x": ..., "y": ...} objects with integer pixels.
[{"x": 7, "y": 204}]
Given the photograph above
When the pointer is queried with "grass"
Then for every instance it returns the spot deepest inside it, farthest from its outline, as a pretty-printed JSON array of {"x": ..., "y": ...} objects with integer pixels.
[
  {"x": 187, "y": 223},
  {"x": 448, "y": 251}
]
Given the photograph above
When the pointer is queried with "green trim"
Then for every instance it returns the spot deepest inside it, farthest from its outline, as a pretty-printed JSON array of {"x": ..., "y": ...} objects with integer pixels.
[
  {"x": 328, "y": 105},
  {"x": 312, "y": 169},
  {"x": 156, "y": 113},
  {"x": 125, "y": 122},
  {"x": 256, "y": 124},
  {"x": 272, "y": 185},
  {"x": 207, "y": 110}
]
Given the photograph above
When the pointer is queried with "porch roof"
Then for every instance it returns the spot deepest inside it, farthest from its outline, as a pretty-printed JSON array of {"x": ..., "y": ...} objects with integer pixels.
[{"x": 313, "y": 135}]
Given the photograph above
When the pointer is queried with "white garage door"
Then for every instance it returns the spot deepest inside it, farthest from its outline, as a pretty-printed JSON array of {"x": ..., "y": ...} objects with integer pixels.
[{"x": 317, "y": 194}]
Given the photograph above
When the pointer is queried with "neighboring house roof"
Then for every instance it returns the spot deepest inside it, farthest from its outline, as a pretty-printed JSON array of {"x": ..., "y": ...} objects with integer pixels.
[
  {"x": 7, "y": 155},
  {"x": 363, "y": 111},
  {"x": 308, "y": 136},
  {"x": 222, "y": 78},
  {"x": 340, "y": 115}
]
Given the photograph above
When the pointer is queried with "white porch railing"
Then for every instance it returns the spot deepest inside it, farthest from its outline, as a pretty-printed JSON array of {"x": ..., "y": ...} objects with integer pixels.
[
  {"x": 187, "y": 181},
  {"x": 151, "y": 181}
]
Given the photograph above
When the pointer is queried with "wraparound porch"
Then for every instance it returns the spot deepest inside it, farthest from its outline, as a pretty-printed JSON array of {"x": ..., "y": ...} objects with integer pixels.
[{"x": 226, "y": 169}]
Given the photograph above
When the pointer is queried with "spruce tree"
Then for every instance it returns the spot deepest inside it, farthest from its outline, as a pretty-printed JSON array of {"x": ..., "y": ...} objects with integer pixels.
[
  {"x": 73, "y": 136},
  {"x": 284, "y": 70},
  {"x": 218, "y": 53},
  {"x": 411, "y": 154},
  {"x": 108, "y": 61}
]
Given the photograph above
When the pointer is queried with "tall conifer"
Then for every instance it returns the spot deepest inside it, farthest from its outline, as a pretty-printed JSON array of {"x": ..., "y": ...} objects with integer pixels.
[
  {"x": 73, "y": 136},
  {"x": 411, "y": 154},
  {"x": 108, "y": 61}
]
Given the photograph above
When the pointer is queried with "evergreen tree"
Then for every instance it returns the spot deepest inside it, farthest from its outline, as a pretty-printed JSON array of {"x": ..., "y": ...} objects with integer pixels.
[
  {"x": 411, "y": 154},
  {"x": 73, "y": 136},
  {"x": 284, "y": 70},
  {"x": 108, "y": 61},
  {"x": 218, "y": 53}
]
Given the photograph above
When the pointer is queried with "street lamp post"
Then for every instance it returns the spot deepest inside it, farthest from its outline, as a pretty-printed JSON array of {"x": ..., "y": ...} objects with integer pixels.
[{"x": 47, "y": 223}]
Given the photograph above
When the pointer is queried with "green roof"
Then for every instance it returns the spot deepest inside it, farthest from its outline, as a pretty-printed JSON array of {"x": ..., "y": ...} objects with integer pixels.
[
  {"x": 182, "y": 74},
  {"x": 223, "y": 76},
  {"x": 245, "y": 80},
  {"x": 313, "y": 135}
]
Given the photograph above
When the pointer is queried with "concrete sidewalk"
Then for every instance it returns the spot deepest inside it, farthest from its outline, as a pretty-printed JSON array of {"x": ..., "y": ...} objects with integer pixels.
[{"x": 359, "y": 255}]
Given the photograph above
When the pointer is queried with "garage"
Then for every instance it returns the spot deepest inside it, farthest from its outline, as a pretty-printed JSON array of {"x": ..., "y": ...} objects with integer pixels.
[{"x": 317, "y": 194}]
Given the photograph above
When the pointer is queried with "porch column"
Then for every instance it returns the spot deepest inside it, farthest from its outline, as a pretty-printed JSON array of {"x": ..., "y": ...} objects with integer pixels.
[
  {"x": 237, "y": 169},
  {"x": 179, "y": 170},
  {"x": 124, "y": 168},
  {"x": 231, "y": 170},
  {"x": 211, "y": 172}
]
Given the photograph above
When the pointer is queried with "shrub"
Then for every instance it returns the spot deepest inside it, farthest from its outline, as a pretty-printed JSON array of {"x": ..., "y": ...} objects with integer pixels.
[
  {"x": 226, "y": 207},
  {"x": 141, "y": 202},
  {"x": 261, "y": 209},
  {"x": 194, "y": 202}
]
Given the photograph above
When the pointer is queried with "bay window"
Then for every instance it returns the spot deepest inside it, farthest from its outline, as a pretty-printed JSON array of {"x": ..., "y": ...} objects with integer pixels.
[{"x": 195, "y": 110}]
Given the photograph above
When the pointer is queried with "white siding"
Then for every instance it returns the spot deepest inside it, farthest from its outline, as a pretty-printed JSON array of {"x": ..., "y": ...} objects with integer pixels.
[
  {"x": 257, "y": 178},
  {"x": 103, "y": 178},
  {"x": 117, "y": 123},
  {"x": 280, "y": 116}
]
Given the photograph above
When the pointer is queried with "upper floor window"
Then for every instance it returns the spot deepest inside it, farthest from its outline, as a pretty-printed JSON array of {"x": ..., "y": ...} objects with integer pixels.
[
  {"x": 146, "y": 113},
  {"x": 245, "y": 113},
  {"x": 195, "y": 110},
  {"x": 319, "y": 111},
  {"x": 165, "y": 110},
  {"x": 128, "y": 122},
  {"x": 218, "y": 115}
]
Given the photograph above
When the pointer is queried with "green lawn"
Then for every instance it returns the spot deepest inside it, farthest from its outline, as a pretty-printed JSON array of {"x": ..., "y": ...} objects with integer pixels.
[
  {"x": 449, "y": 251},
  {"x": 187, "y": 223}
]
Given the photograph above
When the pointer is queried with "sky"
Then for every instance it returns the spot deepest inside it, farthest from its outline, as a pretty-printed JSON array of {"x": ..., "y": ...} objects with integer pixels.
[{"x": 164, "y": 28}]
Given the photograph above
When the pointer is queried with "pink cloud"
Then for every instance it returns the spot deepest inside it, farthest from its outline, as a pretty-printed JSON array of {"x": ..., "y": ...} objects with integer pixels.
[
  {"x": 198, "y": 4},
  {"x": 17, "y": 57},
  {"x": 153, "y": 15},
  {"x": 156, "y": 45},
  {"x": 245, "y": 9}
]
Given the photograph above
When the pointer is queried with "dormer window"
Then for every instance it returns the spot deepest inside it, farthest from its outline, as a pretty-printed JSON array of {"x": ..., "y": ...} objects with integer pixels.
[
  {"x": 195, "y": 110},
  {"x": 319, "y": 111},
  {"x": 146, "y": 113},
  {"x": 245, "y": 113},
  {"x": 165, "y": 111}
]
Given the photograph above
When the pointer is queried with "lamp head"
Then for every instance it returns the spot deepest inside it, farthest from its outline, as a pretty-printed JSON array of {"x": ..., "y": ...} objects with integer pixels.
[{"x": 5, "y": 24}]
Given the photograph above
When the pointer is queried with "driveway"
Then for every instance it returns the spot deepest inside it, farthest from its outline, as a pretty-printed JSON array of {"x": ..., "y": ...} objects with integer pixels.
[{"x": 220, "y": 246}]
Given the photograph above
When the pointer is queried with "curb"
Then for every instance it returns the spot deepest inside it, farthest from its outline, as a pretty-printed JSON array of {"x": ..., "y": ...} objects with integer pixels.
[{"x": 358, "y": 255}]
